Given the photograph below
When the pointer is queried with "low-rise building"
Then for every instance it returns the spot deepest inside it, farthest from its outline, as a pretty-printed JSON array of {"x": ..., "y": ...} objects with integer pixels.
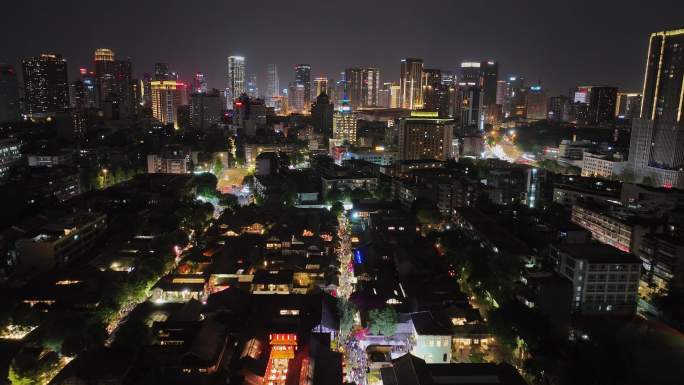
[
  {"x": 10, "y": 154},
  {"x": 663, "y": 260},
  {"x": 605, "y": 280},
  {"x": 611, "y": 225},
  {"x": 60, "y": 241},
  {"x": 179, "y": 288},
  {"x": 603, "y": 166},
  {"x": 51, "y": 158},
  {"x": 172, "y": 160},
  {"x": 348, "y": 179}
]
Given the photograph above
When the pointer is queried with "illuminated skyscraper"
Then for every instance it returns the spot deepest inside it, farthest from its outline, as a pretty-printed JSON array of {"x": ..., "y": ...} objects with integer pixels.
[
  {"x": 657, "y": 142},
  {"x": 320, "y": 85},
  {"x": 296, "y": 96},
  {"x": 161, "y": 71},
  {"x": 628, "y": 105},
  {"x": 489, "y": 72},
  {"x": 354, "y": 86},
  {"x": 371, "y": 87},
  {"x": 272, "y": 84},
  {"x": 165, "y": 101},
  {"x": 500, "y": 92},
  {"x": 114, "y": 79},
  {"x": 470, "y": 95},
  {"x": 9, "y": 94},
  {"x": 344, "y": 124},
  {"x": 236, "y": 79},
  {"x": 251, "y": 89},
  {"x": 205, "y": 109},
  {"x": 303, "y": 77},
  {"x": 46, "y": 86},
  {"x": 424, "y": 135},
  {"x": 199, "y": 83},
  {"x": 514, "y": 102},
  {"x": 536, "y": 103},
  {"x": 322, "y": 114},
  {"x": 395, "y": 95},
  {"x": 411, "y": 83}
]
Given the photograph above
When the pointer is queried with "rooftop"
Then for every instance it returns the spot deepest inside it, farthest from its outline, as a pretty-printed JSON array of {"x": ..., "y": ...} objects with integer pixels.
[{"x": 597, "y": 253}]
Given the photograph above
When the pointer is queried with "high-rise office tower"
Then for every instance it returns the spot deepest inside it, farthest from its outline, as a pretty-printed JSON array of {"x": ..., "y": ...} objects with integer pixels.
[
  {"x": 205, "y": 109},
  {"x": 424, "y": 135},
  {"x": 602, "y": 102},
  {"x": 559, "y": 108},
  {"x": 92, "y": 94},
  {"x": 161, "y": 71},
  {"x": 514, "y": 102},
  {"x": 594, "y": 105},
  {"x": 104, "y": 72},
  {"x": 395, "y": 95},
  {"x": 371, "y": 86},
  {"x": 470, "y": 95},
  {"x": 9, "y": 94},
  {"x": 536, "y": 103},
  {"x": 322, "y": 114},
  {"x": 628, "y": 105},
  {"x": 432, "y": 79},
  {"x": 339, "y": 94},
  {"x": 410, "y": 82},
  {"x": 272, "y": 84},
  {"x": 46, "y": 85},
  {"x": 500, "y": 92},
  {"x": 296, "y": 97},
  {"x": 199, "y": 83},
  {"x": 165, "y": 101},
  {"x": 657, "y": 142},
  {"x": 146, "y": 90},
  {"x": 345, "y": 124},
  {"x": 303, "y": 77},
  {"x": 435, "y": 94},
  {"x": 251, "y": 88},
  {"x": 115, "y": 84},
  {"x": 77, "y": 96},
  {"x": 320, "y": 85},
  {"x": 448, "y": 78},
  {"x": 489, "y": 71},
  {"x": 354, "y": 86},
  {"x": 236, "y": 79},
  {"x": 384, "y": 95}
]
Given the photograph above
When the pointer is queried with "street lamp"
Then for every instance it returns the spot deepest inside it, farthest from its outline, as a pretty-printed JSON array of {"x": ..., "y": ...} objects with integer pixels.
[{"x": 104, "y": 171}]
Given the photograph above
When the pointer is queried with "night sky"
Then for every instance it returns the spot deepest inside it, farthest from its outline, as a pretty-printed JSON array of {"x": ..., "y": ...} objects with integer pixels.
[{"x": 560, "y": 43}]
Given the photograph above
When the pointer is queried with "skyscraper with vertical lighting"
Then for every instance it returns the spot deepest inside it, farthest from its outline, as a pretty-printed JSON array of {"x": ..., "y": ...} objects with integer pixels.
[
  {"x": 46, "y": 85},
  {"x": 410, "y": 82},
  {"x": 320, "y": 84},
  {"x": 165, "y": 101},
  {"x": 272, "y": 84},
  {"x": 236, "y": 78},
  {"x": 303, "y": 77},
  {"x": 657, "y": 140}
]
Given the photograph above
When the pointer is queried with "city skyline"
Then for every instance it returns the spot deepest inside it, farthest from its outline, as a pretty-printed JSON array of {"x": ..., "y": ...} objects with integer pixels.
[{"x": 566, "y": 54}]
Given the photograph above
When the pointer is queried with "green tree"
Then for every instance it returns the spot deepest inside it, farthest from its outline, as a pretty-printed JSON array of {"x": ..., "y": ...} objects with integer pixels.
[
  {"x": 118, "y": 176},
  {"x": 426, "y": 212},
  {"x": 382, "y": 321},
  {"x": 346, "y": 310},
  {"x": 17, "y": 378},
  {"x": 218, "y": 166},
  {"x": 206, "y": 185},
  {"x": 337, "y": 208}
]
